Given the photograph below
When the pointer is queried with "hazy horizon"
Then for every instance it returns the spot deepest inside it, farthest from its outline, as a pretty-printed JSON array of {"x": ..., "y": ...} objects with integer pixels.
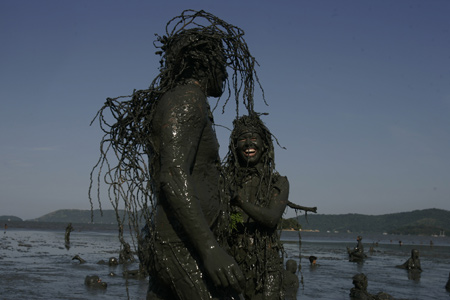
[{"x": 284, "y": 216}]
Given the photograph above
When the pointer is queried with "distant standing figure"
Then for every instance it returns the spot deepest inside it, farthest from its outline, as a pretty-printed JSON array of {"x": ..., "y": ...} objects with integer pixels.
[
  {"x": 413, "y": 263},
  {"x": 69, "y": 229},
  {"x": 6, "y": 227},
  {"x": 357, "y": 254},
  {"x": 290, "y": 280}
]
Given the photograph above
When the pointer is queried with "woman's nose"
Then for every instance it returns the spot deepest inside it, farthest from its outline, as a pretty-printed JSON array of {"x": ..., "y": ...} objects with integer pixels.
[{"x": 248, "y": 141}]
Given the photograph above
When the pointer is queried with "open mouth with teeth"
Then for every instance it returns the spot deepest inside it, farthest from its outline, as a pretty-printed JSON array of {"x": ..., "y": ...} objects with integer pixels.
[{"x": 250, "y": 152}]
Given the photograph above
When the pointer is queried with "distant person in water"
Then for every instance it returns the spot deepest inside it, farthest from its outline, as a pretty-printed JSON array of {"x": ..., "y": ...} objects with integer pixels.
[
  {"x": 126, "y": 255},
  {"x": 93, "y": 281},
  {"x": 290, "y": 280},
  {"x": 6, "y": 227},
  {"x": 313, "y": 261},
  {"x": 113, "y": 261},
  {"x": 413, "y": 263},
  {"x": 359, "y": 291},
  {"x": 357, "y": 254},
  {"x": 69, "y": 229}
]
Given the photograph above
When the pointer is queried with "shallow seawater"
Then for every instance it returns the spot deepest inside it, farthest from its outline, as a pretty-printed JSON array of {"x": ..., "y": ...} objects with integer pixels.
[
  {"x": 332, "y": 279},
  {"x": 37, "y": 265}
]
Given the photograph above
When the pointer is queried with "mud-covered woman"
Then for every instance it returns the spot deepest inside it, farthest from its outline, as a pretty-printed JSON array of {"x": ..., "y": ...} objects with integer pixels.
[{"x": 260, "y": 196}]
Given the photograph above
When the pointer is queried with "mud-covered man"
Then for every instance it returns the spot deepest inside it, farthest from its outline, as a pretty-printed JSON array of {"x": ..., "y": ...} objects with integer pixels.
[
  {"x": 187, "y": 179},
  {"x": 170, "y": 125}
]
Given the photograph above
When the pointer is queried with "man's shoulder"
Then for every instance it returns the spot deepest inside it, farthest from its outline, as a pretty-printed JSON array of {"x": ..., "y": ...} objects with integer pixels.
[{"x": 186, "y": 97}]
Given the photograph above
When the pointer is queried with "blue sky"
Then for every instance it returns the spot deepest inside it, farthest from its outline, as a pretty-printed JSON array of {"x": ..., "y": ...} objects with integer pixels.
[{"x": 358, "y": 93}]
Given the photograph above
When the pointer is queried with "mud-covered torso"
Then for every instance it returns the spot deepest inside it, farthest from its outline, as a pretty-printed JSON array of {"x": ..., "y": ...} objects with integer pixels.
[
  {"x": 248, "y": 231},
  {"x": 258, "y": 193},
  {"x": 186, "y": 110},
  {"x": 256, "y": 248}
]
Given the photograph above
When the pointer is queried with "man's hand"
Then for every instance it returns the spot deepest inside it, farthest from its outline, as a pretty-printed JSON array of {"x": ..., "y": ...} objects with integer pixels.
[{"x": 223, "y": 269}]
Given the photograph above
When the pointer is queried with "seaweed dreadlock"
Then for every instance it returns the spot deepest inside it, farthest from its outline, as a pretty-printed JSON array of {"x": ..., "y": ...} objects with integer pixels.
[{"x": 194, "y": 42}]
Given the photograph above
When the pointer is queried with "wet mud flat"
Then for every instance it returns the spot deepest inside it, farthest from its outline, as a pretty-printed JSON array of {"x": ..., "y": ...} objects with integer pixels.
[{"x": 35, "y": 264}]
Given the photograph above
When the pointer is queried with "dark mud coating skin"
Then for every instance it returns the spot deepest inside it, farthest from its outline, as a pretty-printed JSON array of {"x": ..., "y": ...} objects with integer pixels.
[
  {"x": 257, "y": 241},
  {"x": 95, "y": 282},
  {"x": 255, "y": 244},
  {"x": 69, "y": 229},
  {"x": 187, "y": 259},
  {"x": 413, "y": 263},
  {"x": 357, "y": 254},
  {"x": 359, "y": 291},
  {"x": 126, "y": 255},
  {"x": 290, "y": 280},
  {"x": 166, "y": 167},
  {"x": 112, "y": 261}
]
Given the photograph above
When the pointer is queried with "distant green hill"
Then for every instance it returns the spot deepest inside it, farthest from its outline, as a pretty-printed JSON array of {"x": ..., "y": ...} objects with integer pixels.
[
  {"x": 79, "y": 216},
  {"x": 10, "y": 218},
  {"x": 418, "y": 222}
]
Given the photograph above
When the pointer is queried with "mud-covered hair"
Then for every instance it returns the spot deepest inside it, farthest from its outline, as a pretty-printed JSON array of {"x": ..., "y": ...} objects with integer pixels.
[
  {"x": 185, "y": 40},
  {"x": 192, "y": 42},
  {"x": 252, "y": 123},
  {"x": 192, "y": 53},
  {"x": 234, "y": 172}
]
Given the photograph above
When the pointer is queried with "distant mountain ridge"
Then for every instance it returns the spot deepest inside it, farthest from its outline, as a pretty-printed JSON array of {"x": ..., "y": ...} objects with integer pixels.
[
  {"x": 80, "y": 216},
  {"x": 418, "y": 222}
]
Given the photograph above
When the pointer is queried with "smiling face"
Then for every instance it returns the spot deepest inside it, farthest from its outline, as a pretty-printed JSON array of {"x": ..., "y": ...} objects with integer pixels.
[{"x": 249, "y": 149}]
